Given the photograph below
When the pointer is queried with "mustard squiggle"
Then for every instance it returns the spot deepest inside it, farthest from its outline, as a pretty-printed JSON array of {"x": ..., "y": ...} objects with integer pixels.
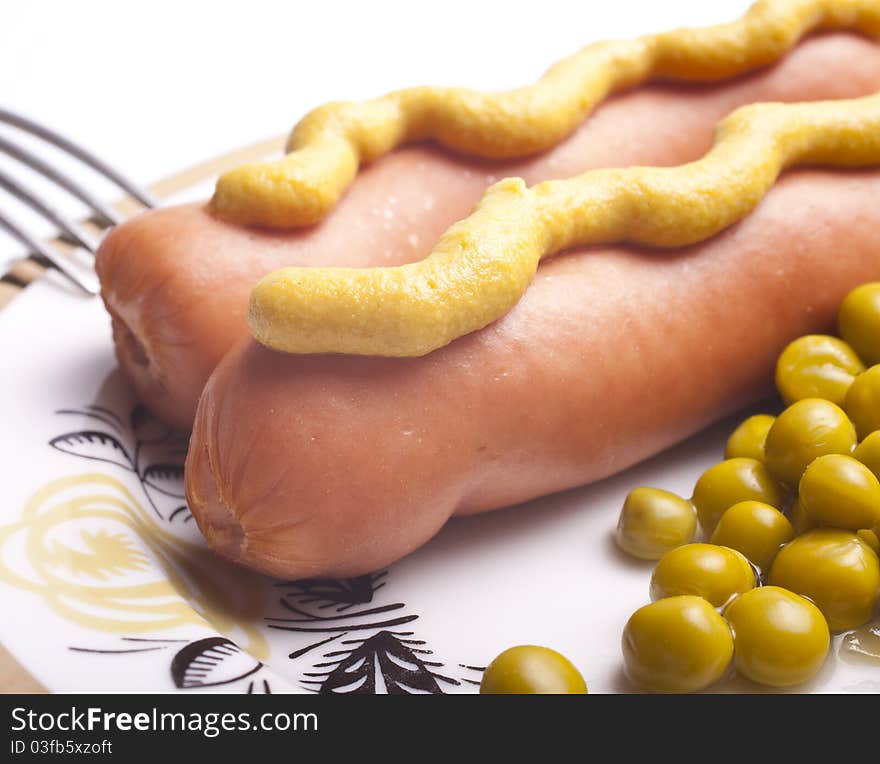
[
  {"x": 328, "y": 146},
  {"x": 483, "y": 264}
]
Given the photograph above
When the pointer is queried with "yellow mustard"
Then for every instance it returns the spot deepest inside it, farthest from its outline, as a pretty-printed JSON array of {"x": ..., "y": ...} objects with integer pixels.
[
  {"x": 329, "y": 144},
  {"x": 481, "y": 266}
]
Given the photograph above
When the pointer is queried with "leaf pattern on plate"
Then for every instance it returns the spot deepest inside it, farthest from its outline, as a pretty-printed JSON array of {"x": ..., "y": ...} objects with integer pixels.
[
  {"x": 165, "y": 478},
  {"x": 368, "y": 656},
  {"x": 95, "y": 445},
  {"x": 211, "y": 662},
  {"x": 207, "y": 662},
  {"x": 382, "y": 663},
  {"x": 181, "y": 513},
  {"x": 145, "y": 441},
  {"x": 344, "y": 592}
]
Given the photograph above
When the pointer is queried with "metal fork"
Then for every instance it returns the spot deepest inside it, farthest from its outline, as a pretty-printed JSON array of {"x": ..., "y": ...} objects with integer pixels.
[{"x": 102, "y": 215}]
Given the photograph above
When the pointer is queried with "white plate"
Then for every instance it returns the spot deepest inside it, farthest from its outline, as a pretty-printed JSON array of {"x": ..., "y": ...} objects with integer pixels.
[{"x": 106, "y": 584}]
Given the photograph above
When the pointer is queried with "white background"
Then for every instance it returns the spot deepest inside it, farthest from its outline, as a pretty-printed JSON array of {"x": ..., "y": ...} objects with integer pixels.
[{"x": 156, "y": 86}]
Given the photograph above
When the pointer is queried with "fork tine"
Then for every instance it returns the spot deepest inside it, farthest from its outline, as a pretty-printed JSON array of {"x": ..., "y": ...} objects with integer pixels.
[
  {"x": 84, "y": 278},
  {"x": 23, "y": 123},
  {"x": 69, "y": 229},
  {"x": 24, "y": 156}
]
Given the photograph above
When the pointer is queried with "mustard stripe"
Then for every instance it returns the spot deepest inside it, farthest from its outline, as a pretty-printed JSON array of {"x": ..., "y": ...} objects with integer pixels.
[
  {"x": 329, "y": 145},
  {"x": 483, "y": 264}
]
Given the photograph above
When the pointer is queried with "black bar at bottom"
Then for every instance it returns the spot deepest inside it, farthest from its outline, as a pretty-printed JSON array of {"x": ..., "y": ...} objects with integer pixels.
[{"x": 144, "y": 727}]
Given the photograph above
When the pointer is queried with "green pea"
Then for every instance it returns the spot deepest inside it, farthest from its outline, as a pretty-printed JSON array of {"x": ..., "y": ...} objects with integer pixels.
[
  {"x": 748, "y": 439},
  {"x": 805, "y": 431},
  {"x": 780, "y": 638},
  {"x": 817, "y": 366},
  {"x": 677, "y": 644},
  {"x": 836, "y": 570},
  {"x": 858, "y": 321},
  {"x": 532, "y": 670},
  {"x": 715, "y": 573},
  {"x": 733, "y": 481},
  {"x": 868, "y": 453},
  {"x": 755, "y": 529},
  {"x": 653, "y": 521},
  {"x": 841, "y": 492},
  {"x": 863, "y": 402}
]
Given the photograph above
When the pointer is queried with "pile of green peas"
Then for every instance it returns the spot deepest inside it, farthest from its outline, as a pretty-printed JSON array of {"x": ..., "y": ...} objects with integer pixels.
[{"x": 792, "y": 519}]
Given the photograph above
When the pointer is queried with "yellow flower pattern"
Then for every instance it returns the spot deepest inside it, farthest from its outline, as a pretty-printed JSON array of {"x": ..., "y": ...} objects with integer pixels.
[{"x": 96, "y": 557}]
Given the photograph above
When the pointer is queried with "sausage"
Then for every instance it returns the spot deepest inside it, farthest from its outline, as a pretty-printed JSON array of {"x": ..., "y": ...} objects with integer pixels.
[
  {"x": 337, "y": 465},
  {"x": 176, "y": 281}
]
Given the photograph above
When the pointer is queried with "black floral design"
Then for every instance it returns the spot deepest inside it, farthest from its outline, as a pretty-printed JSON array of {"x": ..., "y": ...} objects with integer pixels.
[
  {"x": 366, "y": 654},
  {"x": 154, "y": 453},
  {"x": 341, "y": 593},
  {"x": 211, "y": 662},
  {"x": 208, "y": 662},
  {"x": 365, "y": 650},
  {"x": 151, "y": 451},
  {"x": 386, "y": 661}
]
